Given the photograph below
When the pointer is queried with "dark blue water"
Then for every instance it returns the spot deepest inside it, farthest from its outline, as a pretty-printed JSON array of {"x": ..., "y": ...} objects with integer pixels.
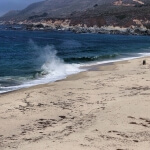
[{"x": 32, "y": 57}]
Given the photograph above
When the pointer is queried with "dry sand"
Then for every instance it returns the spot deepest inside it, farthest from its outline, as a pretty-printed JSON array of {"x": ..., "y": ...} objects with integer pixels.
[{"x": 106, "y": 108}]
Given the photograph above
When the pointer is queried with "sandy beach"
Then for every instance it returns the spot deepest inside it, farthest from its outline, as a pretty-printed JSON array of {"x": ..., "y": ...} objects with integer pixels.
[{"x": 105, "y": 108}]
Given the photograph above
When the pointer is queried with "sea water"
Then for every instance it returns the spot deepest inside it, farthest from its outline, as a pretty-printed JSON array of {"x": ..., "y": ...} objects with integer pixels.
[{"x": 30, "y": 58}]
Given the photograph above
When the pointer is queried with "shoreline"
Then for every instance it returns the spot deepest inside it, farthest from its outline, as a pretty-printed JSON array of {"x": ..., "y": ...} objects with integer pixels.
[
  {"x": 85, "y": 67},
  {"x": 104, "y": 108},
  {"x": 134, "y": 30}
]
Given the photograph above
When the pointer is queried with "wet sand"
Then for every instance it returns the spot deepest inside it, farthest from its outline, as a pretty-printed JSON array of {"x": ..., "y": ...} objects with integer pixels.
[{"x": 105, "y": 108}]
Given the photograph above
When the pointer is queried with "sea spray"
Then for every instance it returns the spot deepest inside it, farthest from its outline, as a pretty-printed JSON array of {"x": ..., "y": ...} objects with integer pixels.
[
  {"x": 52, "y": 66},
  {"x": 49, "y": 68}
]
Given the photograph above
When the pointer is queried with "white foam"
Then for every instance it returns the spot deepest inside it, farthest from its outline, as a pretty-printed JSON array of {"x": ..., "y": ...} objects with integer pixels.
[
  {"x": 140, "y": 55},
  {"x": 144, "y": 54}
]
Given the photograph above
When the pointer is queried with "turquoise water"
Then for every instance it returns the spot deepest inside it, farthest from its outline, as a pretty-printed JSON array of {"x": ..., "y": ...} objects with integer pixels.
[{"x": 34, "y": 57}]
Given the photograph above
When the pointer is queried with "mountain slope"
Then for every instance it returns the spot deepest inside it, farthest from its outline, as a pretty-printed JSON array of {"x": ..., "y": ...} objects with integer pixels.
[
  {"x": 11, "y": 14},
  {"x": 58, "y": 9},
  {"x": 123, "y": 13}
]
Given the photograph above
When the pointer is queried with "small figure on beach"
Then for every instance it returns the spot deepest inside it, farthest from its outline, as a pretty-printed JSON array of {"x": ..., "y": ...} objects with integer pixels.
[{"x": 144, "y": 62}]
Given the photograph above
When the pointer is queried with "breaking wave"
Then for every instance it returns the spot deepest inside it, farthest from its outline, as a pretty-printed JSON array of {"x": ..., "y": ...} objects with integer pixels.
[
  {"x": 90, "y": 58},
  {"x": 52, "y": 68}
]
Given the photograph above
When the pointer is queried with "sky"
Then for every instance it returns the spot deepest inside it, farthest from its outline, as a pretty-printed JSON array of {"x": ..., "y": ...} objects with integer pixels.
[{"x": 7, "y": 5}]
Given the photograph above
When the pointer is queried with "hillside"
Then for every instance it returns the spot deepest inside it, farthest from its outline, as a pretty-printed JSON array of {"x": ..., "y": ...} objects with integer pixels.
[
  {"x": 69, "y": 8},
  {"x": 55, "y": 9},
  {"x": 121, "y": 13},
  {"x": 86, "y": 13}
]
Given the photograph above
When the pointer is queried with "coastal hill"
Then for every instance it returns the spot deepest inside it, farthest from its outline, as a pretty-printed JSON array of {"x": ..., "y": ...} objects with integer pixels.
[
  {"x": 54, "y": 9},
  {"x": 89, "y": 13}
]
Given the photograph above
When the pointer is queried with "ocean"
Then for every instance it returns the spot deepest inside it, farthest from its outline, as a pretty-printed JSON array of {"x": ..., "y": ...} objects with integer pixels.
[{"x": 29, "y": 58}]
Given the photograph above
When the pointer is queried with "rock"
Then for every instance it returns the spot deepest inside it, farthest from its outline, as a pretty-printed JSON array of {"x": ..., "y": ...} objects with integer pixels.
[
  {"x": 144, "y": 62},
  {"x": 62, "y": 117}
]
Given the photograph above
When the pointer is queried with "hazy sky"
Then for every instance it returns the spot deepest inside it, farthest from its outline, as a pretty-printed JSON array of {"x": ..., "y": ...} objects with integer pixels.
[{"x": 6, "y": 5}]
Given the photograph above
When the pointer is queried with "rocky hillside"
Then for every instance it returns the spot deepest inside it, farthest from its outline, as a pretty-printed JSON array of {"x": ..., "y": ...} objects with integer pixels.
[
  {"x": 84, "y": 13},
  {"x": 65, "y": 8},
  {"x": 123, "y": 13},
  {"x": 55, "y": 9}
]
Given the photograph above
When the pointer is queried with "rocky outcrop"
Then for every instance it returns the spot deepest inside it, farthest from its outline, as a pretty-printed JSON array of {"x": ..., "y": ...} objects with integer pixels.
[{"x": 66, "y": 25}]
